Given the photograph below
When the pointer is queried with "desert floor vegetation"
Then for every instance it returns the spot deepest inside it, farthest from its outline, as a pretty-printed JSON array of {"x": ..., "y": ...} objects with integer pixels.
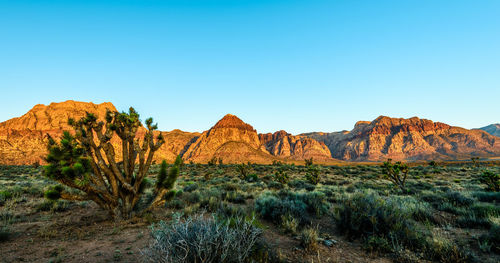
[{"x": 446, "y": 212}]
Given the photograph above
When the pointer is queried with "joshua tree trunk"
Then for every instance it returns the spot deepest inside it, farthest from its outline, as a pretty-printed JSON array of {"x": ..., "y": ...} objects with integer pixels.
[{"x": 88, "y": 162}]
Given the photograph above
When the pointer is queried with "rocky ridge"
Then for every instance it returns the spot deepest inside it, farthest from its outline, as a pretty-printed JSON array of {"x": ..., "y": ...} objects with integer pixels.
[
  {"x": 493, "y": 129},
  {"x": 23, "y": 140},
  {"x": 408, "y": 139}
]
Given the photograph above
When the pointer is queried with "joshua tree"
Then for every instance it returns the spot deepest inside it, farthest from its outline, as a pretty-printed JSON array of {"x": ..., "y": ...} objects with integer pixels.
[
  {"x": 243, "y": 170},
  {"x": 309, "y": 161},
  {"x": 474, "y": 161},
  {"x": 213, "y": 161},
  {"x": 312, "y": 175},
  {"x": 281, "y": 176},
  {"x": 492, "y": 180},
  {"x": 87, "y": 161},
  {"x": 396, "y": 172}
]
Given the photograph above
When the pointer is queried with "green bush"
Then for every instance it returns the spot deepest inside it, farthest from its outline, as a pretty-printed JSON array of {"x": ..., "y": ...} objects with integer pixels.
[
  {"x": 312, "y": 175},
  {"x": 271, "y": 207},
  {"x": 281, "y": 176},
  {"x": 377, "y": 244},
  {"x": 491, "y": 197},
  {"x": 200, "y": 239},
  {"x": 301, "y": 205},
  {"x": 367, "y": 214},
  {"x": 5, "y": 195},
  {"x": 309, "y": 239},
  {"x": 493, "y": 238},
  {"x": 485, "y": 210},
  {"x": 458, "y": 199},
  {"x": 4, "y": 233},
  {"x": 492, "y": 181}
]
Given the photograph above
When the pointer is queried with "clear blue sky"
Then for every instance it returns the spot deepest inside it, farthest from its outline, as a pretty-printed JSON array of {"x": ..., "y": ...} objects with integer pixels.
[{"x": 294, "y": 65}]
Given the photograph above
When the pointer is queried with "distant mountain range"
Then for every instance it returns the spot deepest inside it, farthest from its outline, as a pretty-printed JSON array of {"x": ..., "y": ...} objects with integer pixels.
[
  {"x": 493, "y": 129},
  {"x": 23, "y": 140}
]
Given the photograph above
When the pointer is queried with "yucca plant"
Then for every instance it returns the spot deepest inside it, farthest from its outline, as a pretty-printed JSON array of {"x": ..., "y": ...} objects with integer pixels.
[
  {"x": 396, "y": 173},
  {"x": 87, "y": 161}
]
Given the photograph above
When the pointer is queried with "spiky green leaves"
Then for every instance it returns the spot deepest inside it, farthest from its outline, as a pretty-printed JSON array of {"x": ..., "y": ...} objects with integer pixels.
[
  {"x": 491, "y": 180},
  {"x": 66, "y": 160},
  {"x": 162, "y": 175},
  {"x": 53, "y": 193},
  {"x": 167, "y": 177},
  {"x": 396, "y": 172}
]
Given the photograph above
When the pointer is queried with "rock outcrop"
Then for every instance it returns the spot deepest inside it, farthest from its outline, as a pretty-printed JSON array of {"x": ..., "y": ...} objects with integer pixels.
[
  {"x": 493, "y": 129},
  {"x": 23, "y": 140},
  {"x": 236, "y": 141},
  {"x": 408, "y": 139},
  {"x": 285, "y": 145},
  {"x": 230, "y": 139}
]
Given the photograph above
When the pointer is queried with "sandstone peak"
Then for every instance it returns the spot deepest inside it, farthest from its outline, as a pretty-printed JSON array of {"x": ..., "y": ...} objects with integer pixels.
[
  {"x": 359, "y": 123},
  {"x": 55, "y": 115},
  {"x": 232, "y": 121},
  {"x": 408, "y": 139}
]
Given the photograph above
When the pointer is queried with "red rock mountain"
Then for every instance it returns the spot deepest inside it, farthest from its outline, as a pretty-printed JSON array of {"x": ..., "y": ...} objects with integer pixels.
[
  {"x": 23, "y": 140},
  {"x": 408, "y": 139},
  {"x": 286, "y": 145},
  {"x": 236, "y": 141}
]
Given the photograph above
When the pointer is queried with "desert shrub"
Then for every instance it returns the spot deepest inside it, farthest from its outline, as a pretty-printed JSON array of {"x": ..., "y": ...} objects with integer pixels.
[
  {"x": 190, "y": 187},
  {"x": 312, "y": 175},
  {"x": 377, "y": 244},
  {"x": 199, "y": 239},
  {"x": 472, "y": 221},
  {"x": 252, "y": 178},
  {"x": 5, "y": 195},
  {"x": 300, "y": 184},
  {"x": 299, "y": 205},
  {"x": 315, "y": 202},
  {"x": 53, "y": 193},
  {"x": 275, "y": 185},
  {"x": 492, "y": 238},
  {"x": 271, "y": 207},
  {"x": 289, "y": 223},
  {"x": 367, "y": 214},
  {"x": 226, "y": 210},
  {"x": 432, "y": 197},
  {"x": 308, "y": 162},
  {"x": 230, "y": 187},
  {"x": 443, "y": 250},
  {"x": 175, "y": 204},
  {"x": 192, "y": 197},
  {"x": 53, "y": 205},
  {"x": 4, "y": 233},
  {"x": 492, "y": 181},
  {"x": 281, "y": 176},
  {"x": 309, "y": 239},
  {"x": 458, "y": 199},
  {"x": 491, "y": 197},
  {"x": 417, "y": 210},
  {"x": 485, "y": 210},
  {"x": 236, "y": 197}
]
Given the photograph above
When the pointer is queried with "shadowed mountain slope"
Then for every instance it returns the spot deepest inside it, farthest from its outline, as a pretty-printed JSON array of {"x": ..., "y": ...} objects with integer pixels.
[{"x": 407, "y": 139}]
